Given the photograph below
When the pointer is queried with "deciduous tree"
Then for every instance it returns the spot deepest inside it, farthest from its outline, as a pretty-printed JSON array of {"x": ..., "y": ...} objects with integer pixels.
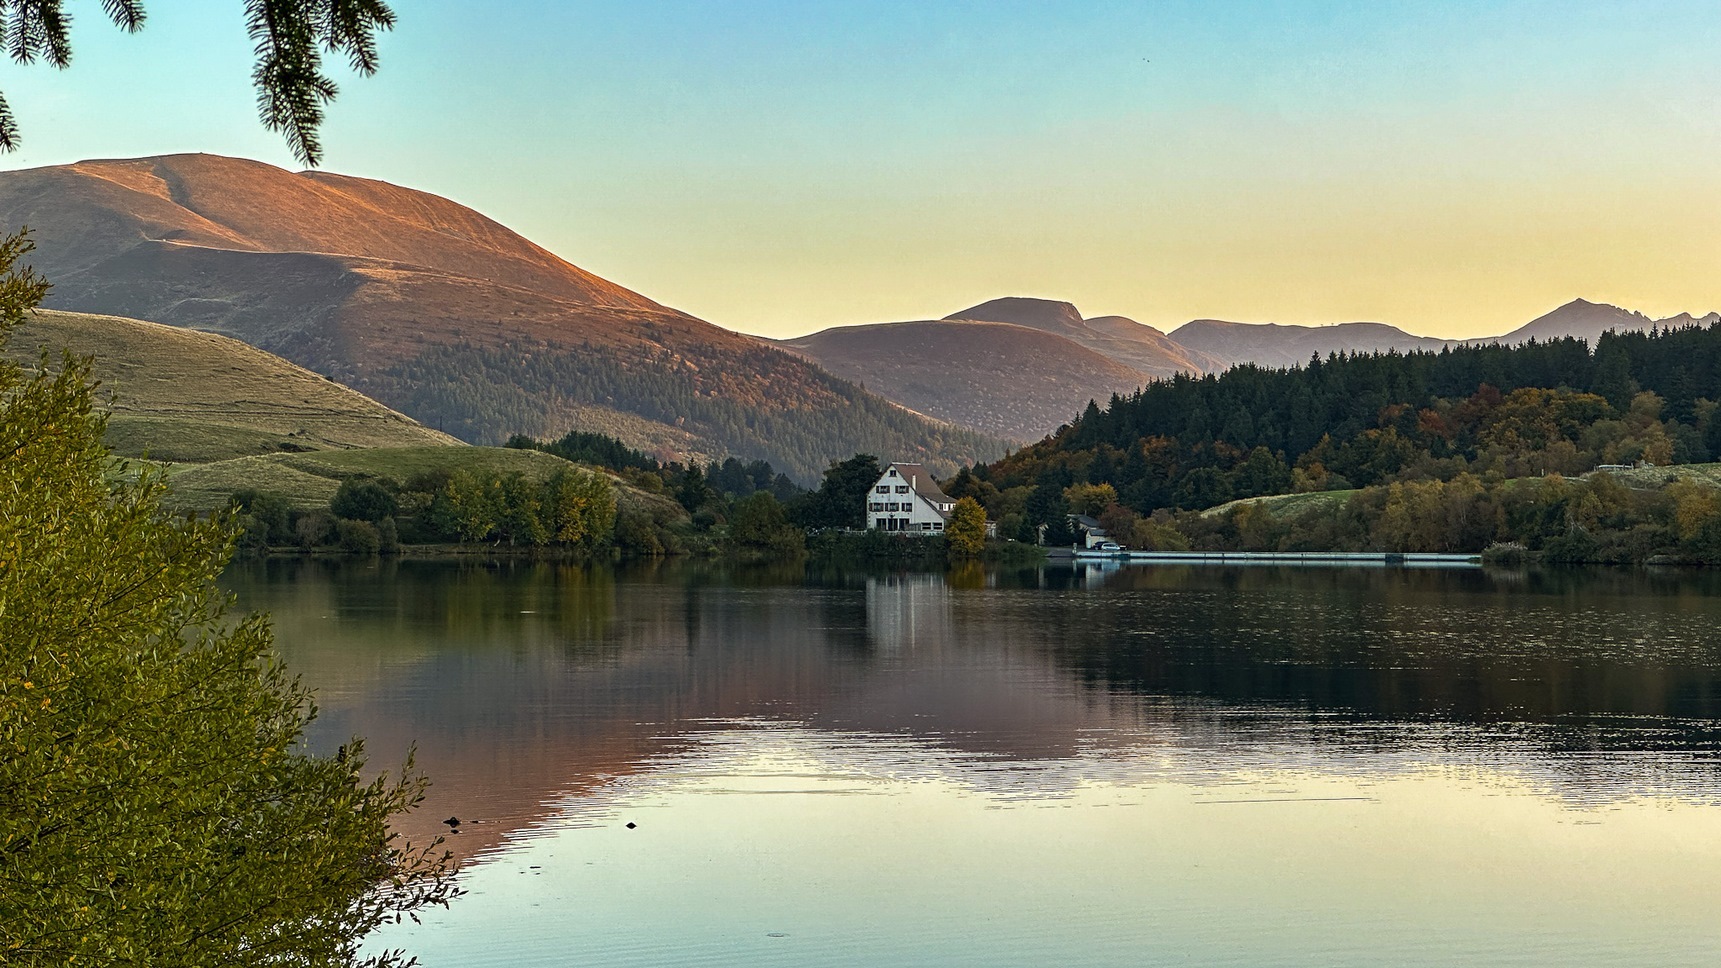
[
  {"x": 156, "y": 804},
  {"x": 965, "y": 535}
]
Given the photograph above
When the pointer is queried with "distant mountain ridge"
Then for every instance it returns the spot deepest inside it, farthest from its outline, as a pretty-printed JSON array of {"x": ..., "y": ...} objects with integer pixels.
[
  {"x": 440, "y": 312},
  {"x": 1587, "y": 321},
  {"x": 1277, "y": 344},
  {"x": 1136, "y": 345},
  {"x": 999, "y": 378},
  {"x": 979, "y": 367}
]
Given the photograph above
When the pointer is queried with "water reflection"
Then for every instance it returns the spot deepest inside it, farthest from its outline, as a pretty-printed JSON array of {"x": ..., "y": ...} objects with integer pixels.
[{"x": 526, "y": 684}]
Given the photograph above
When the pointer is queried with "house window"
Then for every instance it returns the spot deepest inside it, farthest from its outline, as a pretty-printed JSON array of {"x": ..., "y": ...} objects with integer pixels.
[
  {"x": 902, "y": 489},
  {"x": 938, "y": 525},
  {"x": 925, "y": 526},
  {"x": 884, "y": 488}
]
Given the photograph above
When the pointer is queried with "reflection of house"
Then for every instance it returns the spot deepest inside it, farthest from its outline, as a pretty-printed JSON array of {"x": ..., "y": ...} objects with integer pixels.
[
  {"x": 906, "y": 498},
  {"x": 906, "y": 611}
]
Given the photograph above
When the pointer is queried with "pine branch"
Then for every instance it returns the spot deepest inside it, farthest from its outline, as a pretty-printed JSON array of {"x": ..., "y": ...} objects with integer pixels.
[
  {"x": 8, "y": 127},
  {"x": 128, "y": 15},
  {"x": 351, "y": 27},
  {"x": 291, "y": 88}
]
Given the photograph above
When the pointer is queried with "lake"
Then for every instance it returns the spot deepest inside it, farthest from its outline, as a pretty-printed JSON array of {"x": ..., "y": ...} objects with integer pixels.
[{"x": 1061, "y": 765}]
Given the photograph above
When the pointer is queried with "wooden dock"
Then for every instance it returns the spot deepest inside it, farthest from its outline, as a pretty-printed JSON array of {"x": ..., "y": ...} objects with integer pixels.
[{"x": 1374, "y": 558}]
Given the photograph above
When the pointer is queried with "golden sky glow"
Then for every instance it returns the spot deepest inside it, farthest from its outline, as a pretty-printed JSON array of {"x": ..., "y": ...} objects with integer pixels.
[{"x": 1452, "y": 168}]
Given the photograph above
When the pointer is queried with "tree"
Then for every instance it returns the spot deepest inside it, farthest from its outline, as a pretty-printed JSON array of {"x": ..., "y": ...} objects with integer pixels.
[
  {"x": 362, "y": 500},
  {"x": 965, "y": 536},
  {"x": 760, "y": 525},
  {"x": 692, "y": 492},
  {"x": 579, "y": 508},
  {"x": 474, "y": 505},
  {"x": 290, "y": 37},
  {"x": 840, "y": 501},
  {"x": 156, "y": 804}
]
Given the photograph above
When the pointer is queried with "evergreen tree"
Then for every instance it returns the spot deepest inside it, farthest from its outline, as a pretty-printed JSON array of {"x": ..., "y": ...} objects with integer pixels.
[
  {"x": 840, "y": 501},
  {"x": 290, "y": 38}
]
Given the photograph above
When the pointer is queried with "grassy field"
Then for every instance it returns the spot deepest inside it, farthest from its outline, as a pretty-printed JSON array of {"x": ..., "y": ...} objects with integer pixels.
[
  {"x": 1287, "y": 505},
  {"x": 1645, "y": 478},
  {"x": 1649, "y": 477},
  {"x": 308, "y": 481},
  {"x": 178, "y": 395}
]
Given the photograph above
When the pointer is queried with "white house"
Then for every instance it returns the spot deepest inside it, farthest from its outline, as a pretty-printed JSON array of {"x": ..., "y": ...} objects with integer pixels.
[{"x": 906, "y": 498}]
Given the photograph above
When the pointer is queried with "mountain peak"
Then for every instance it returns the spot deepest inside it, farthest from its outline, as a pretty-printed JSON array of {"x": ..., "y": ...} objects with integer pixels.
[{"x": 1051, "y": 315}]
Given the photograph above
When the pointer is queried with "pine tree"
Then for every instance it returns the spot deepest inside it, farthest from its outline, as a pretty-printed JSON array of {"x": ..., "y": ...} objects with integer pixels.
[{"x": 290, "y": 38}]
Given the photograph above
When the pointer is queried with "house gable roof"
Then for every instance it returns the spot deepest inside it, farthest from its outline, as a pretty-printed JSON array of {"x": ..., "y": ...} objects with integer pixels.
[{"x": 923, "y": 483}]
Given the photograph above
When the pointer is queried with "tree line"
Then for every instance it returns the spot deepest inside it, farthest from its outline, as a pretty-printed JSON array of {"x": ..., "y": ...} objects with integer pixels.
[{"x": 1360, "y": 420}]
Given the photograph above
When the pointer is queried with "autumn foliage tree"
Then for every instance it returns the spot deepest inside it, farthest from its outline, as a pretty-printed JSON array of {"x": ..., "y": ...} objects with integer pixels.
[{"x": 965, "y": 535}]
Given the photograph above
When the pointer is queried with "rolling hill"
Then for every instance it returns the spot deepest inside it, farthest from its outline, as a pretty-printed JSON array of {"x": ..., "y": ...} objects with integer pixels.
[
  {"x": 181, "y": 395},
  {"x": 431, "y": 308},
  {"x": 999, "y": 378}
]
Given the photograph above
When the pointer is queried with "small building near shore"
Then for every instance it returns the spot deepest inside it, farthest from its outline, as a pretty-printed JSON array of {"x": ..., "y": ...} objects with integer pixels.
[
  {"x": 906, "y": 498},
  {"x": 1093, "y": 534}
]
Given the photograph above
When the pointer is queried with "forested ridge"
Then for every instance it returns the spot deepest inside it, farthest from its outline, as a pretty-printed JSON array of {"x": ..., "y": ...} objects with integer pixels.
[
  {"x": 755, "y": 403},
  {"x": 1359, "y": 420}
]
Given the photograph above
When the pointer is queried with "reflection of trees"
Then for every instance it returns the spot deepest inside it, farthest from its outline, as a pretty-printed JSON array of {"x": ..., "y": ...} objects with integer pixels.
[
  {"x": 527, "y": 681},
  {"x": 1572, "y": 648}
]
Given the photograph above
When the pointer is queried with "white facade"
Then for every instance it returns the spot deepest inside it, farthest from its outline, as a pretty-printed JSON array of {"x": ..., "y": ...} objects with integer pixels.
[{"x": 906, "y": 498}]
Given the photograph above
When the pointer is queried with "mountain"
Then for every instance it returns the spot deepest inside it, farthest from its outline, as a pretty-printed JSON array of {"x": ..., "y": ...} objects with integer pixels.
[
  {"x": 180, "y": 395},
  {"x": 1272, "y": 344},
  {"x": 1587, "y": 320},
  {"x": 1004, "y": 379},
  {"x": 1136, "y": 345},
  {"x": 1276, "y": 345},
  {"x": 440, "y": 312}
]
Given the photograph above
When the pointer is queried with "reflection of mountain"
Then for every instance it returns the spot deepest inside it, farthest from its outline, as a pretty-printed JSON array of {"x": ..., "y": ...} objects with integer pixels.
[{"x": 525, "y": 684}]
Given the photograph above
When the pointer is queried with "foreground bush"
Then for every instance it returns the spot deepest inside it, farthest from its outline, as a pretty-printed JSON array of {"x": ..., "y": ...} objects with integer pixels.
[{"x": 156, "y": 806}]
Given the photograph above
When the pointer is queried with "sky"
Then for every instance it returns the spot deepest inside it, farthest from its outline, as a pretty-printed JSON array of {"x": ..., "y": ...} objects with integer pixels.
[{"x": 1452, "y": 168}]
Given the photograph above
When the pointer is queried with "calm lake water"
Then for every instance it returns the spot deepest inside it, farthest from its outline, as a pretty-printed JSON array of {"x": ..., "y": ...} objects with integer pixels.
[{"x": 1055, "y": 766}]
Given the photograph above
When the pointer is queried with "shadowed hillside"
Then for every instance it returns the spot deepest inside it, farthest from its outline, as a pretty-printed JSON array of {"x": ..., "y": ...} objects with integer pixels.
[
  {"x": 385, "y": 289},
  {"x": 998, "y": 378},
  {"x": 1135, "y": 345}
]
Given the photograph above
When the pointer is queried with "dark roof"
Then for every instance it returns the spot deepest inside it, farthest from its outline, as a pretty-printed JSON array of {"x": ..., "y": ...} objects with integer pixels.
[
  {"x": 923, "y": 482},
  {"x": 1091, "y": 524}
]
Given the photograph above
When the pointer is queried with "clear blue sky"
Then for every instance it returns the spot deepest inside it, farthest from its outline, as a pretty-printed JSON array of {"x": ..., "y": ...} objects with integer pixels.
[{"x": 775, "y": 167}]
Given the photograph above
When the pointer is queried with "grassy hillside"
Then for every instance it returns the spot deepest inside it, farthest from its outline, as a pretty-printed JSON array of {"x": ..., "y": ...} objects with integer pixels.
[
  {"x": 308, "y": 481},
  {"x": 179, "y": 395},
  {"x": 1287, "y": 506}
]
